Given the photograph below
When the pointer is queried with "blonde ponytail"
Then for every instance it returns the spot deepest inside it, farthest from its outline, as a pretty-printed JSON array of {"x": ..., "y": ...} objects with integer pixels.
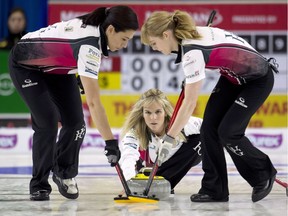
[{"x": 180, "y": 22}]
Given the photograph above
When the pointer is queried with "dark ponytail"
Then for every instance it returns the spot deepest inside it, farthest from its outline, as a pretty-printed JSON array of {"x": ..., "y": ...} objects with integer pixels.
[
  {"x": 94, "y": 18},
  {"x": 121, "y": 17}
]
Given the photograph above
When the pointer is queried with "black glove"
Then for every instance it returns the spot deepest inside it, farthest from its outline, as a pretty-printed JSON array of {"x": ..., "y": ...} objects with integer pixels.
[
  {"x": 80, "y": 85},
  {"x": 112, "y": 151}
]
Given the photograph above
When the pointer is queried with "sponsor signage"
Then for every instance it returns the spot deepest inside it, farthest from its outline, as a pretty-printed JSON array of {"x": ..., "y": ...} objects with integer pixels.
[
  {"x": 19, "y": 140},
  {"x": 8, "y": 141},
  {"x": 261, "y": 140},
  {"x": 248, "y": 16},
  {"x": 272, "y": 114}
]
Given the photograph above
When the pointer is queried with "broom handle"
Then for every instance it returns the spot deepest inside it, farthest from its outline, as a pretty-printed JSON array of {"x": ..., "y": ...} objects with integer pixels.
[
  {"x": 151, "y": 177},
  {"x": 211, "y": 17},
  {"x": 122, "y": 179},
  {"x": 284, "y": 184},
  {"x": 177, "y": 107}
]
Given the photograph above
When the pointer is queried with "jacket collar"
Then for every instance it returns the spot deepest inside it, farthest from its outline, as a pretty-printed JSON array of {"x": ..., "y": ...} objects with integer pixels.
[
  {"x": 103, "y": 41},
  {"x": 179, "y": 55}
]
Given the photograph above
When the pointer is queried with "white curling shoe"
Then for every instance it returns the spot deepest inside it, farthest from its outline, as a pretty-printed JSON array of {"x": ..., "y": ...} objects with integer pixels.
[{"x": 67, "y": 187}]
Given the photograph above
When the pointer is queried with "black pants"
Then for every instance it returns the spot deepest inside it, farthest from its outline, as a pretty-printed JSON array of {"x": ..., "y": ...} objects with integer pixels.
[
  {"x": 51, "y": 99},
  {"x": 180, "y": 163},
  {"x": 227, "y": 114}
]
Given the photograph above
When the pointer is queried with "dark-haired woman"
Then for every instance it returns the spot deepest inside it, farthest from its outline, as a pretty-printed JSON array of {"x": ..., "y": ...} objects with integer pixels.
[
  {"x": 43, "y": 66},
  {"x": 16, "y": 28}
]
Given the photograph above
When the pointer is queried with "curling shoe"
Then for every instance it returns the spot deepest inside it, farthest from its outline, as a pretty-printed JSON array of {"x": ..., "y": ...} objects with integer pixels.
[
  {"x": 206, "y": 198},
  {"x": 261, "y": 190},
  {"x": 67, "y": 187},
  {"x": 40, "y": 195}
]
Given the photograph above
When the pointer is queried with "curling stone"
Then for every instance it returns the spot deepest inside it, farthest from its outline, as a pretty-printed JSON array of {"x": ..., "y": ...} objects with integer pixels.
[{"x": 160, "y": 187}]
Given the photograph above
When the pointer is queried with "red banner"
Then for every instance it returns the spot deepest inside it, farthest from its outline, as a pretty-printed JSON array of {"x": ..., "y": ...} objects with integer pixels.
[{"x": 254, "y": 16}]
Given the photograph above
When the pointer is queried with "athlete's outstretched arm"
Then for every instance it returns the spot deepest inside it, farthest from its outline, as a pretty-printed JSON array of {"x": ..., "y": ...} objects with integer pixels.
[
  {"x": 97, "y": 111},
  {"x": 187, "y": 108}
]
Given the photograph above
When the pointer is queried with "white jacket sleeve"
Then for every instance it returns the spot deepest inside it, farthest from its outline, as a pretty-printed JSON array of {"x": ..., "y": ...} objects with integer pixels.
[
  {"x": 89, "y": 60},
  {"x": 129, "y": 147},
  {"x": 193, "y": 126}
]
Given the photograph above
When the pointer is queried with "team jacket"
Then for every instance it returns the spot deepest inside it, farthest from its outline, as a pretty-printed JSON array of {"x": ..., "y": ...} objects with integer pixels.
[
  {"x": 130, "y": 152},
  {"x": 220, "y": 50},
  {"x": 62, "y": 48}
]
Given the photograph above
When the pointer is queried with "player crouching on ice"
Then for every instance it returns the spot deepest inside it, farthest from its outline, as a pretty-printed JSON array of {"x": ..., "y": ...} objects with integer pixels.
[{"x": 145, "y": 125}]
